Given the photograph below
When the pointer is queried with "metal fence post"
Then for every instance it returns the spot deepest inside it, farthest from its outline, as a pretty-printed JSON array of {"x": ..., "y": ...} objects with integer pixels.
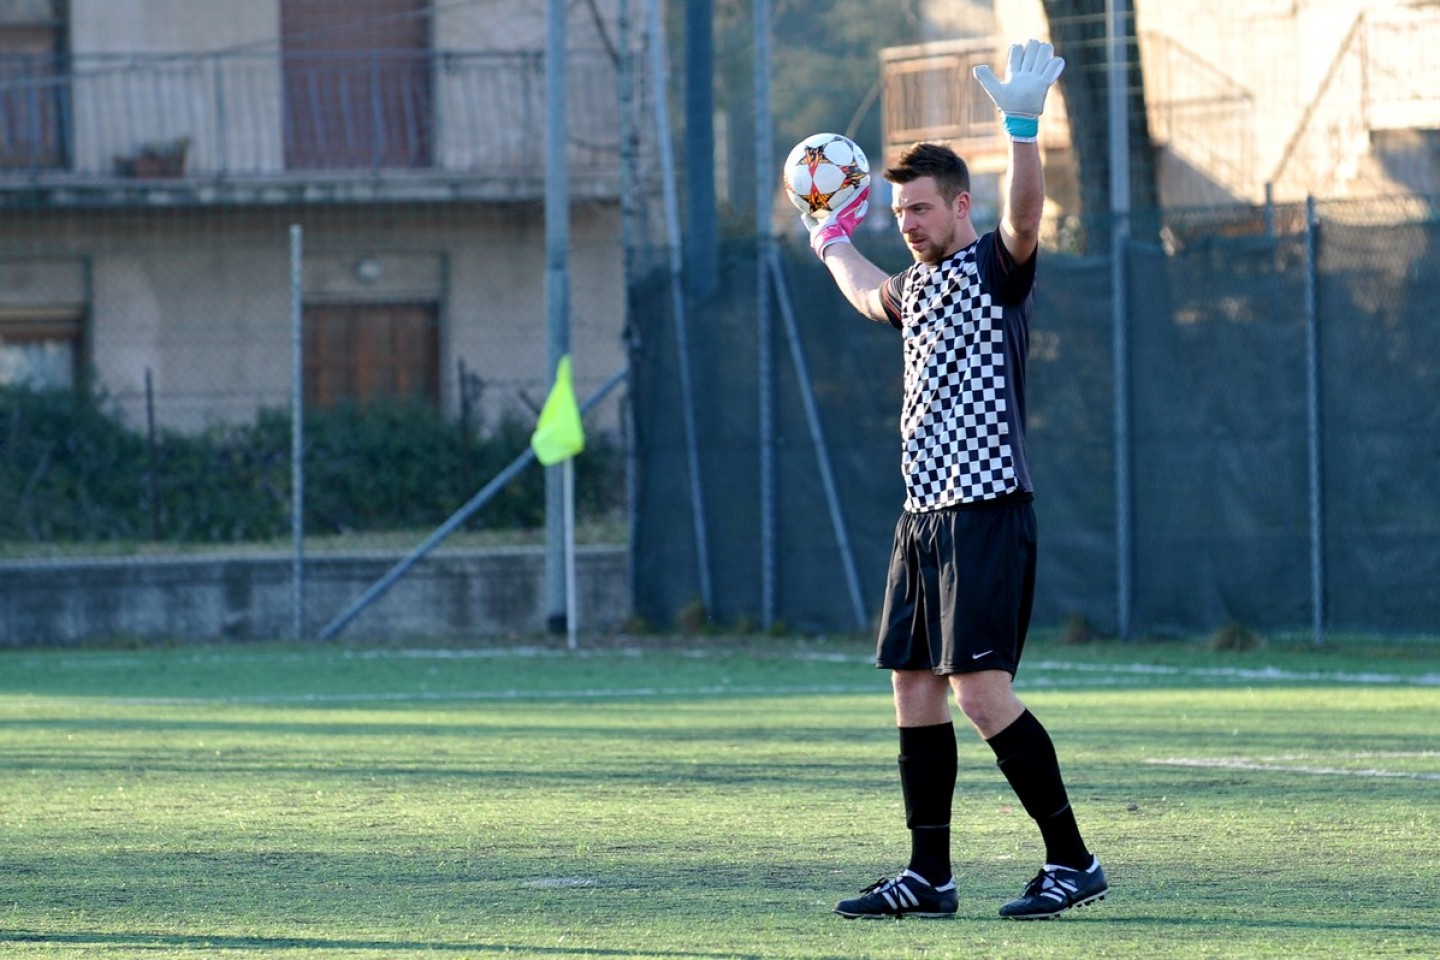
[
  {"x": 1312, "y": 409},
  {"x": 764, "y": 252},
  {"x": 1115, "y": 34},
  {"x": 297, "y": 432}
]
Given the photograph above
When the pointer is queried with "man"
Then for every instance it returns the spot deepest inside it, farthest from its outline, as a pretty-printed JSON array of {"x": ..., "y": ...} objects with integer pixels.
[{"x": 962, "y": 572}]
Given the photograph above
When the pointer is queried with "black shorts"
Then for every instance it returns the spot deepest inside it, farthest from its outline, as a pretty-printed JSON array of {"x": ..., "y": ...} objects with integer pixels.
[{"x": 960, "y": 589}]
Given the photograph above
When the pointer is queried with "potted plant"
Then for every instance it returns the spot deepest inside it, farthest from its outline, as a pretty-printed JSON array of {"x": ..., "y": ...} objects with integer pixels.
[{"x": 155, "y": 159}]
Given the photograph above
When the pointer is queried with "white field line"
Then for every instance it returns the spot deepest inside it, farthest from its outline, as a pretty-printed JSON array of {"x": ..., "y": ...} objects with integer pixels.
[
  {"x": 441, "y": 696},
  {"x": 1033, "y": 675},
  {"x": 1258, "y": 674},
  {"x": 1121, "y": 672},
  {"x": 318, "y": 656},
  {"x": 1239, "y": 763}
]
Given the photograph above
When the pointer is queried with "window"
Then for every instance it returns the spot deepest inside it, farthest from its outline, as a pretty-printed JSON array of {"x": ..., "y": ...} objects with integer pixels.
[
  {"x": 357, "y": 84},
  {"x": 32, "y": 53},
  {"x": 366, "y": 351},
  {"x": 38, "y": 351}
]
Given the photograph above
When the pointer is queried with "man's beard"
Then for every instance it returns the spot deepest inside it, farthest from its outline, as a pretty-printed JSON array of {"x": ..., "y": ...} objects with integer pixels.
[{"x": 935, "y": 249}]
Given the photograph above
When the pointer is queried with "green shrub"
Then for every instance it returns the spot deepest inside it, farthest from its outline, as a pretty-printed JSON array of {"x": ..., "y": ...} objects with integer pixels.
[
  {"x": 226, "y": 484},
  {"x": 71, "y": 470},
  {"x": 68, "y": 469}
]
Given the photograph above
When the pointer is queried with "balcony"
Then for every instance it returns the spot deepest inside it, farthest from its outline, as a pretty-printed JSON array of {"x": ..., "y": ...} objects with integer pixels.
[
  {"x": 929, "y": 95},
  {"x": 269, "y": 128}
]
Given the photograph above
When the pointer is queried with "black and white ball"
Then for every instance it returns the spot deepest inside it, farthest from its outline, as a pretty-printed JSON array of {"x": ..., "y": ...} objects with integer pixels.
[{"x": 823, "y": 172}]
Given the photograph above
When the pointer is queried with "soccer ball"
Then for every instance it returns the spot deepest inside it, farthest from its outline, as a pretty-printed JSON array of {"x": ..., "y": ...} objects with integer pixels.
[{"x": 823, "y": 172}]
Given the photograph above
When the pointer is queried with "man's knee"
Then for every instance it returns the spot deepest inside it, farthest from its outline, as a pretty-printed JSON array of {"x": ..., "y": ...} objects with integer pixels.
[
  {"x": 987, "y": 701},
  {"x": 921, "y": 698}
]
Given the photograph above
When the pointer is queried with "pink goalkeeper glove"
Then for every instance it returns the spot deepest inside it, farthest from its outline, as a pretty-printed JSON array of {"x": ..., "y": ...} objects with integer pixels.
[{"x": 836, "y": 226}]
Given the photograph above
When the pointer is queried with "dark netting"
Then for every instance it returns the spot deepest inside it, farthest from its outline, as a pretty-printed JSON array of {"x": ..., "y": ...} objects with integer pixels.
[
  {"x": 1220, "y": 436},
  {"x": 1218, "y": 392},
  {"x": 1379, "y": 310},
  {"x": 855, "y": 371},
  {"x": 1071, "y": 445},
  {"x": 666, "y": 570}
]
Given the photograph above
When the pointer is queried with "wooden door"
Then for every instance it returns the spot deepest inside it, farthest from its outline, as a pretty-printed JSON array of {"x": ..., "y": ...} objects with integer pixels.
[{"x": 362, "y": 352}]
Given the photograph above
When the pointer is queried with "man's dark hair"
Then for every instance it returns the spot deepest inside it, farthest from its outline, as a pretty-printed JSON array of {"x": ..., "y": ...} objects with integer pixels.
[{"x": 952, "y": 176}]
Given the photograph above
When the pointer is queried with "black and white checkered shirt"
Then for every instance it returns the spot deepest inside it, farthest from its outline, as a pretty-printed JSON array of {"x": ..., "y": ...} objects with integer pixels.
[{"x": 965, "y": 323}]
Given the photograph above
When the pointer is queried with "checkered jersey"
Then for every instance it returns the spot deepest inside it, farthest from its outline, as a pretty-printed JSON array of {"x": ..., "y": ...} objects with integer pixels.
[{"x": 965, "y": 323}]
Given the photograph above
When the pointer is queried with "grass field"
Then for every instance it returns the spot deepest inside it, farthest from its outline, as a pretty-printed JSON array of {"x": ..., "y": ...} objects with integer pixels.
[{"x": 641, "y": 801}]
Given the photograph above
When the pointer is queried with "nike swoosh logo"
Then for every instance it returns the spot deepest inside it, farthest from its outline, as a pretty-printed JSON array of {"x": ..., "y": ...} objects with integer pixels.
[{"x": 977, "y": 656}]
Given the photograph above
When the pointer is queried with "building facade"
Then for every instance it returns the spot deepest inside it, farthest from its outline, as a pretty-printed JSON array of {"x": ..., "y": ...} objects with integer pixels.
[
  {"x": 154, "y": 155},
  {"x": 1246, "y": 102}
]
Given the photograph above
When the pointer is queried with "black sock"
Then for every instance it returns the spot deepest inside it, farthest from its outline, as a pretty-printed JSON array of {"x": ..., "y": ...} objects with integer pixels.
[
  {"x": 1026, "y": 756},
  {"x": 927, "y": 779}
]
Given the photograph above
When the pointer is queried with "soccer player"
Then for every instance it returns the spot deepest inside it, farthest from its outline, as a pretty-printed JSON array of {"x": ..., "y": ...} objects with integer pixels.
[{"x": 962, "y": 571}]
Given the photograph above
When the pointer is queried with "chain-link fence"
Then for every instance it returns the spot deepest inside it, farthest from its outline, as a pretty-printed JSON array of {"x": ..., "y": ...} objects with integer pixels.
[
  {"x": 1229, "y": 410},
  {"x": 154, "y": 314},
  {"x": 149, "y": 361},
  {"x": 152, "y": 169}
]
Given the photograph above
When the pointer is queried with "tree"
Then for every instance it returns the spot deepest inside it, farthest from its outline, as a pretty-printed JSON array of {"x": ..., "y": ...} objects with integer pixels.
[
  {"x": 826, "y": 72},
  {"x": 825, "y": 65},
  {"x": 1077, "y": 28}
]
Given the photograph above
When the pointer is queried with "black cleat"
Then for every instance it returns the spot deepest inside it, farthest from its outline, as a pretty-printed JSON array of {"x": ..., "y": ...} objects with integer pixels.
[
  {"x": 1055, "y": 890},
  {"x": 908, "y": 895}
]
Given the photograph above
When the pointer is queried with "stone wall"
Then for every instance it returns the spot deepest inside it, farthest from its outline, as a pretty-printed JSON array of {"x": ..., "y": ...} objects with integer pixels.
[{"x": 450, "y": 594}]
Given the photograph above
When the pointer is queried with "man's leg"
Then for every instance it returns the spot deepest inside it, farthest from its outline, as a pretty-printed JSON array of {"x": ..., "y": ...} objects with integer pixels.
[
  {"x": 927, "y": 768},
  {"x": 1024, "y": 752},
  {"x": 927, "y": 779},
  {"x": 1026, "y": 755}
]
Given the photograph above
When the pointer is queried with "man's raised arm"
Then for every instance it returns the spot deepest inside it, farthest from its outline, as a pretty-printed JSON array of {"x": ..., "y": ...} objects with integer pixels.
[{"x": 1020, "y": 97}]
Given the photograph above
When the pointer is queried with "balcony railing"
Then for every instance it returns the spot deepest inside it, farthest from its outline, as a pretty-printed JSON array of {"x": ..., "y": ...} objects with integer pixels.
[
  {"x": 929, "y": 95},
  {"x": 927, "y": 98},
  {"x": 273, "y": 117}
]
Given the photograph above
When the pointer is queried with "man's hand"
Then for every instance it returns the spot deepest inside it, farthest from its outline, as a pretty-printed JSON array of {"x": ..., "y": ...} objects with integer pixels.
[
  {"x": 1032, "y": 70},
  {"x": 837, "y": 225}
]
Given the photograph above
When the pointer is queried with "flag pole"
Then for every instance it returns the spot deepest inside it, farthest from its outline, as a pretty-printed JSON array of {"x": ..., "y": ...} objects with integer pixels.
[
  {"x": 571, "y": 602},
  {"x": 559, "y": 436}
]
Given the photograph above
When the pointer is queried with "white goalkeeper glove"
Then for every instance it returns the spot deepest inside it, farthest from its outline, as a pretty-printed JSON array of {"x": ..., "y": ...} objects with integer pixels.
[
  {"x": 1033, "y": 69},
  {"x": 837, "y": 225}
]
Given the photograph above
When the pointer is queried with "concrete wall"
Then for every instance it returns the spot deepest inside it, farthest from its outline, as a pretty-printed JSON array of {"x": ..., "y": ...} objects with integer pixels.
[
  {"x": 170, "y": 26},
  {"x": 449, "y": 594}
]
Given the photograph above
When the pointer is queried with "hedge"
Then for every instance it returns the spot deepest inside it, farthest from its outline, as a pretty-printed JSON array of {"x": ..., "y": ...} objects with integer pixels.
[{"x": 72, "y": 470}]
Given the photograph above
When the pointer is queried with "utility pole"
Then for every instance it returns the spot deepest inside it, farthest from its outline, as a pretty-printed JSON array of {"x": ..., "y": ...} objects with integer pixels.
[{"x": 557, "y": 297}]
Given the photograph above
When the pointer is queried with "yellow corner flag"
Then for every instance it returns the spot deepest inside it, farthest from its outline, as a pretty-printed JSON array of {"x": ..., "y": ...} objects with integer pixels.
[{"x": 559, "y": 434}]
